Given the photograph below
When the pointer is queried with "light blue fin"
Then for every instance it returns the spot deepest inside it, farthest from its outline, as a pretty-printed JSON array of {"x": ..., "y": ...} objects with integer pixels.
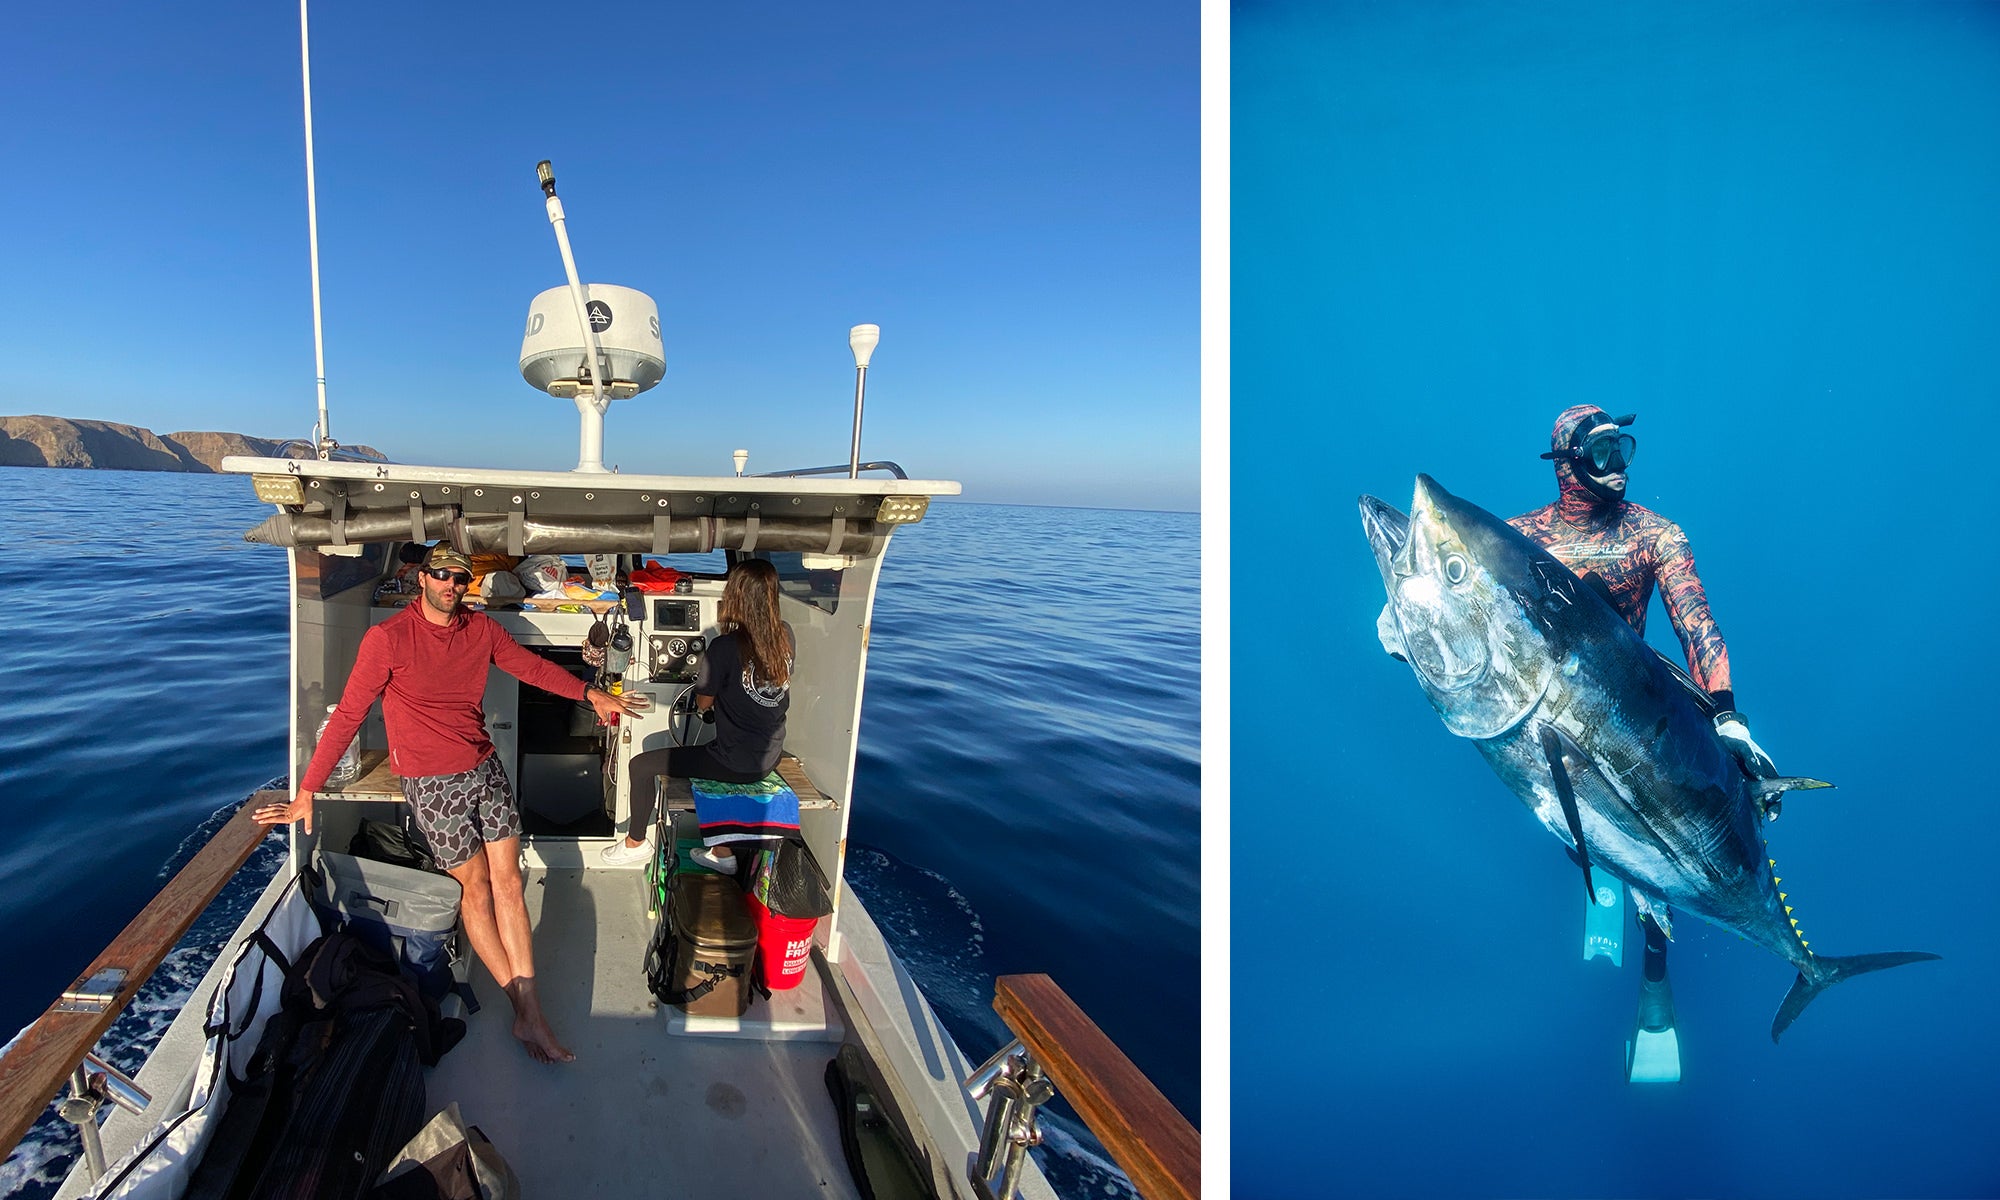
[
  {"x": 1604, "y": 923},
  {"x": 1653, "y": 1057},
  {"x": 1654, "y": 1053}
]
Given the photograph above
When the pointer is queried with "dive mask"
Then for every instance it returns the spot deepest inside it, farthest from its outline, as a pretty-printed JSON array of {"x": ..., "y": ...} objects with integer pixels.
[{"x": 1604, "y": 450}]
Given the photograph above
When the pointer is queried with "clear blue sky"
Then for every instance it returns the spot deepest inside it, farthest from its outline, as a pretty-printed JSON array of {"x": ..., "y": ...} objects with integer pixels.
[{"x": 1010, "y": 191}]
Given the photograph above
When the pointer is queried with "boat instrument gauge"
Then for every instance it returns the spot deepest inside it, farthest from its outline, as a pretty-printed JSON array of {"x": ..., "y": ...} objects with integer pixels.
[{"x": 673, "y": 659}]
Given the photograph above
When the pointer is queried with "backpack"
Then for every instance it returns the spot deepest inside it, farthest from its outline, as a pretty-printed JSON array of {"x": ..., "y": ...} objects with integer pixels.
[{"x": 335, "y": 1087}]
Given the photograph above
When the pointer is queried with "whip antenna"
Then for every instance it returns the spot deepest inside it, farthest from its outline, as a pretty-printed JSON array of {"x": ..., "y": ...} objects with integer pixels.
[
  {"x": 323, "y": 443},
  {"x": 591, "y": 458}
]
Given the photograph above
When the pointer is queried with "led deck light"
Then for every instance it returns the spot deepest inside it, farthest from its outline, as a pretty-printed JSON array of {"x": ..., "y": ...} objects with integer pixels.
[
  {"x": 902, "y": 510},
  {"x": 279, "y": 489}
]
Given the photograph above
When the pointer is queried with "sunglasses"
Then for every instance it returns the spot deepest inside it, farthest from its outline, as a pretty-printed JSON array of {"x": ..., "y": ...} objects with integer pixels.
[{"x": 461, "y": 578}]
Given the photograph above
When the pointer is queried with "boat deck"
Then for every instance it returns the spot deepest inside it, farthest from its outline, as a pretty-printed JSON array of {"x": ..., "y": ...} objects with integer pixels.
[
  {"x": 645, "y": 1110},
  {"x": 657, "y": 1104}
]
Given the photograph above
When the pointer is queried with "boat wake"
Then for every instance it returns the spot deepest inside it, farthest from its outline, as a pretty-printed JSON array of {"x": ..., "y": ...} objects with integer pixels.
[
  {"x": 38, "y": 1166},
  {"x": 938, "y": 936}
]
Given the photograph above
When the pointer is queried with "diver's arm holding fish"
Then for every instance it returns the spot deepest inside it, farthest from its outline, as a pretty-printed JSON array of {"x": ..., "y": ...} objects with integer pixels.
[{"x": 1707, "y": 656}]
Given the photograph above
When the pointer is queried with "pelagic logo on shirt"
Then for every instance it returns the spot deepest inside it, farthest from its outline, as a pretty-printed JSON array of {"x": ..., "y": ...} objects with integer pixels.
[{"x": 766, "y": 694}]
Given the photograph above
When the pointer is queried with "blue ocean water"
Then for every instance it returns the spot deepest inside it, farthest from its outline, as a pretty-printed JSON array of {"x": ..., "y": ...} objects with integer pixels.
[
  {"x": 1027, "y": 796},
  {"x": 1768, "y": 229}
]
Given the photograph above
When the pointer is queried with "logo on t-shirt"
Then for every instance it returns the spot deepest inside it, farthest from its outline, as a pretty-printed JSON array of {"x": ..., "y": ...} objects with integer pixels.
[{"x": 766, "y": 694}]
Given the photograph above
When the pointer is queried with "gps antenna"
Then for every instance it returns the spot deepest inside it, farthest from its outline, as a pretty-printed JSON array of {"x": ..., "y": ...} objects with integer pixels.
[
  {"x": 862, "y": 339},
  {"x": 590, "y": 452}
]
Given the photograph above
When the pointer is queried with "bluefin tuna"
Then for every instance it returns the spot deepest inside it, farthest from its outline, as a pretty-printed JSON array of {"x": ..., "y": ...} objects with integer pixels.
[{"x": 1612, "y": 747}]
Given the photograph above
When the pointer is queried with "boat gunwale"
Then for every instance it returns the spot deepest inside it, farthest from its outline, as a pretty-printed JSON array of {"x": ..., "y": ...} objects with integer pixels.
[{"x": 138, "y": 949}]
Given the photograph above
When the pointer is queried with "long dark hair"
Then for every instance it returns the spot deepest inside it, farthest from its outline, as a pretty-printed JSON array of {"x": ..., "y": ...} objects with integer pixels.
[{"x": 750, "y": 607}]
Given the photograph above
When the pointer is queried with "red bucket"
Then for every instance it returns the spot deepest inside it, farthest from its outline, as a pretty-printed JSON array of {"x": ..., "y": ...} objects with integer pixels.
[{"x": 784, "y": 946}]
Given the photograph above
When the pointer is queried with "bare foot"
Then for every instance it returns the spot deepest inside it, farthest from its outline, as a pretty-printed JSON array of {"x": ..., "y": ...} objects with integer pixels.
[
  {"x": 532, "y": 1028},
  {"x": 540, "y": 1041}
]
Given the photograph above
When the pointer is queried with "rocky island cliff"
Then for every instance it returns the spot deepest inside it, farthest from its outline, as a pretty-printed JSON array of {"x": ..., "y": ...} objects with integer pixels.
[{"x": 36, "y": 441}]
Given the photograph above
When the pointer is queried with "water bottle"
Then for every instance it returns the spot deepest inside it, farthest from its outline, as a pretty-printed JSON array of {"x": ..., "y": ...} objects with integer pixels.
[
  {"x": 348, "y": 769},
  {"x": 619, "y": 655}
]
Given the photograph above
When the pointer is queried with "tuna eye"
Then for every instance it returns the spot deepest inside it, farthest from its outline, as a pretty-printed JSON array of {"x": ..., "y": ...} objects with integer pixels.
[{"x": 1454, "y": 569}]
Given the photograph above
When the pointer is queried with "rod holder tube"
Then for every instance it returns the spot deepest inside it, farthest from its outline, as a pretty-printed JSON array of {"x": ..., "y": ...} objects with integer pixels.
[
  {"x": 1016, "y": 1088},
  {"x": 992, "y": 1139},
  {"x": 981, "y": 1081},
  {"x": 115, "y": 1085},
  {"x": 80, "y": 1110}
]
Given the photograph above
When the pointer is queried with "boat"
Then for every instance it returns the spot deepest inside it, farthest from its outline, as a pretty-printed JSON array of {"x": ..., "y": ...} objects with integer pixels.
[{"x": 844, "y": 1085}]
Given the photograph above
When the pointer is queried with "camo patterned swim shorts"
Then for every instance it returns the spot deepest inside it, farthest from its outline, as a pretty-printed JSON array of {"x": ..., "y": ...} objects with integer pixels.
[{"x": 458, "y": 813}]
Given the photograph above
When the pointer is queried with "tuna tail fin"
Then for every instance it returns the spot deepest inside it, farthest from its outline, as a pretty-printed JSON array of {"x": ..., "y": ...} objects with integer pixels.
[{"x": 1827, "y": 971}]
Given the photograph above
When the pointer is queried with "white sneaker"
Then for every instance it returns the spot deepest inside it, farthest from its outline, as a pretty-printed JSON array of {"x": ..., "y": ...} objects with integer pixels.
[
  {"x": 621, "y": 854},
  {"x": 715, "y": 862}
]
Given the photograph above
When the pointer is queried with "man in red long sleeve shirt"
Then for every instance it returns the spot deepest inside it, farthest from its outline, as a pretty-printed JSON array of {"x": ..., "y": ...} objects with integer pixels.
[{"x": 428, "y": 665}]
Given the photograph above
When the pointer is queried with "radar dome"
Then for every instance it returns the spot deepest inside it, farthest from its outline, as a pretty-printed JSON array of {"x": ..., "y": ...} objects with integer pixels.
[{"x": 555, "y": 354}]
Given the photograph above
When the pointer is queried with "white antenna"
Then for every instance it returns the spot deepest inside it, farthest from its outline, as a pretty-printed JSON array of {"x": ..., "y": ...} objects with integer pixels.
[
  {"x": 862, "y": 339},
  {"x": 590, "y": 459},
  {"x": 323, "y": 443}
]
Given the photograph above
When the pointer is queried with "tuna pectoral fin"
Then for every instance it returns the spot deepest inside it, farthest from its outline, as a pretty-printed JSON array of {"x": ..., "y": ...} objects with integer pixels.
[
  {"x": 1566, "y": 796},
  {"x": 1769, "y": 789},
  {"x": 1829, "y": 971}
]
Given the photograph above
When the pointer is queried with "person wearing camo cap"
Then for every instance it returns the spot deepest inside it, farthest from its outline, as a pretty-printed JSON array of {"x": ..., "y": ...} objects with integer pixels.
[{"x": 428, "y": 665}]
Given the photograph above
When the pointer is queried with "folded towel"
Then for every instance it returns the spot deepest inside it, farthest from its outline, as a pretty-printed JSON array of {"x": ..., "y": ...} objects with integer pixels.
[{"x": 744, "y": 812}]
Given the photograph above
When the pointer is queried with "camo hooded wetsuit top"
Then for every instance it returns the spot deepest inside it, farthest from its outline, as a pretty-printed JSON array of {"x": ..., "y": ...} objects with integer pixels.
[{"x": 1629, "y": 548}]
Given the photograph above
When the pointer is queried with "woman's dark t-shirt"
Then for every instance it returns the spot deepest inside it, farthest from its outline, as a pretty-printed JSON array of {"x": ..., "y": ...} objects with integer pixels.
[{"x": 749, "y": 711}]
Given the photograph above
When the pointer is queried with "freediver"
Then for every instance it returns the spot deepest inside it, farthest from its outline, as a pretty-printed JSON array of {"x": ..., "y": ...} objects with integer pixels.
[{"x": 1623, "y": 551}]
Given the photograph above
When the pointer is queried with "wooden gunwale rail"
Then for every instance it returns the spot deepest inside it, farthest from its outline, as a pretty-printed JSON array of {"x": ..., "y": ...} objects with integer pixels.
[
  {"x": 41, "y": 1062},
  {"x": 1148, "y": 1137}
]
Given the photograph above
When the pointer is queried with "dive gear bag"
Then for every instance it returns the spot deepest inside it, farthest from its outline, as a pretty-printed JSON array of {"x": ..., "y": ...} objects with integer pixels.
[{"x": 407, "y": 913}]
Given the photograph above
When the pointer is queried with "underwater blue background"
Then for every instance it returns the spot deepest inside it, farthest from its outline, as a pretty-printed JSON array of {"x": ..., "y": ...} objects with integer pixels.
[{"x": 1770, "y": 230}]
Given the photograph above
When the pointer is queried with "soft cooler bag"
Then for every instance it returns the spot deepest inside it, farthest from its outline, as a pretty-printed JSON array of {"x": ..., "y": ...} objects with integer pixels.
[
  {"x": 409, "y": 913},
  {"x": 702, "y": 952}
]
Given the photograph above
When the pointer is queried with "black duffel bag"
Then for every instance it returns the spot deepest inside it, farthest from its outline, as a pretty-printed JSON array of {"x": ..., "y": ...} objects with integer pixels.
[
  {"x": 336, "y": 1087},
  {"x": 787, "y": 880}
]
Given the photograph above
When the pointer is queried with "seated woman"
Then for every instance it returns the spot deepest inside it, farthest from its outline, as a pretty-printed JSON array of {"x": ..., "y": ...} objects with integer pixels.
[{"x": 745, "y": 683}]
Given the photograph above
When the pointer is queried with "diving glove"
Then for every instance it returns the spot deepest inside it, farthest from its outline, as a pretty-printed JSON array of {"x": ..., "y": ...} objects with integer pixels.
[
  {"x": 1392, "y": 636},
  {"x": 1734, "y": 730}
]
